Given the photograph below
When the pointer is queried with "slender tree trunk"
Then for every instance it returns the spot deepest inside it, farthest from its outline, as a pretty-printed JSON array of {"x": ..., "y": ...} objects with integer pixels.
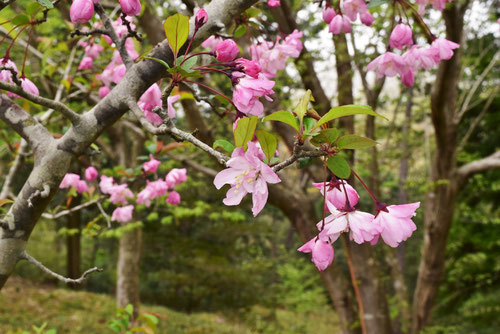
[
  {"x": 73, "y": 248},
  {"x": 440, "y": 200}
]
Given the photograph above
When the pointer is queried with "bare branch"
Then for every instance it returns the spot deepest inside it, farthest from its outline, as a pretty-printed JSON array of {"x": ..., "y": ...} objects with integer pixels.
[
  {"x": 106, "y": 216},
  {"x": 18, "y": 161},
  {"x": 298, "y": 153},
  {"x": 61, "y": 107},
  {"x": 80, "y": 280},
  {"x": 73, "y": 209},
  {"x": 490, "y": 162},
  {"x": 78, "y": 32}
]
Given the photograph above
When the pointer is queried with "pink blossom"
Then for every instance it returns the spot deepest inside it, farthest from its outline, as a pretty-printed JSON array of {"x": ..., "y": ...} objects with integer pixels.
[
  {"x": 82, "y": 187},
  {"x": 201, "y": 18},
  {"x": 401, "y": 36},
  {"x": 123, "y": 214},
  {"x": 151, "y": 166},
  {"x": 353, "y": 7},
  {"x": 153, "y": 190},
  {"x": 131, "y": 7},
  {"x": 322, "y": 252},
  {"x": 170, "y": 105},
  {"x": 81, "y": 11},
  {"x": 408, "y": 78},
  {"x": 396, "y": 224},
  {"x": 361, "y": 226},
  {"x": 5, "y": 75},
  {"x": 28, "y": 86},
  {"x": 328, "y": 14},
  {"x": 340, "y": 23},
  {"x": 211, "y": 42},
  {"x": 388, "y": 64},
  {"x": 86, "y": 63},
  {"x": 366, "y": 18},
  {"x": 273, "y": 3},
  {"x": 226, "y": 50},
  {"x": 91, "y": 173},
  {"x": 93, "y": 50},
  {"x": 103, "y": 91},
  {"x": 106, "y": 184},
  {"x": 444, "y": 48},
  {"x": 246, "y": 174},
  {"x": 417, "y": 58},
  {"x": 250, "y": 67},
  {"x": 118, "y": 73},
  {"x": 173, "y": 198},
  {"x": 175, "y": 177},
  {"x": 119, "y": 194},
  {"x": 335, "y": 194},
  {"x": 247, "y": 91},
  {"x": 150, "y": 99},
  {"x": 70, "y": 180}
]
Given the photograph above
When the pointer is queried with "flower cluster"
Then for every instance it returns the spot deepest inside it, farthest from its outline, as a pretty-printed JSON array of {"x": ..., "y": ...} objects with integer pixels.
[
  {"x": 393, "y": 223},
  {"x": 341, "y": 22},
  {"x": 82, "y": 11},
  {"x": 6, "y": 76}
]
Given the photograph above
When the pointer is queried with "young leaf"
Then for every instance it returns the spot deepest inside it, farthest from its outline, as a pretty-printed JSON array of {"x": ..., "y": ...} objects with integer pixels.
[
  {"x": 353, "y": 142},
  {"x": 158, "y": 60},
  {"x": 32, "y": 8},
  {"x": 240, "y": 31},
  {"x": 224, "y": 144},
  {"x": 283, "y": 116},
  {"x": 326, "y": 136},
  {"x": 20, "y": 19},
  {"x": 46, "y": 3},
  {"x": 301, "y": 108},
  {"x": 189, "y": 63},
  {"x": 339, "y": 167},
  {"x": 177, "y": 31},
  {"x": 245, "y": 130},
  {"x": 267, "y": 142},
  {"x": 348, "y": 110}
]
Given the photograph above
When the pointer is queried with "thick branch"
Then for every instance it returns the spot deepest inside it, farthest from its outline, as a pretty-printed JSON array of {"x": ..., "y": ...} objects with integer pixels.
[
  {"x": 490, "y": 162},
  {"x": 80, "y": 280}
]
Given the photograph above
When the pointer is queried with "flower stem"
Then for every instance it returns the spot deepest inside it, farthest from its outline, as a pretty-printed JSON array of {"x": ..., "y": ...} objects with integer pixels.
[
  {"x": 364, "y": 185},
  {"x": 212, "y": 90}
]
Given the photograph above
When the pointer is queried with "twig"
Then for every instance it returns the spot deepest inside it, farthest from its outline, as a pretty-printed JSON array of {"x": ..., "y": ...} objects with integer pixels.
[
  {"x": 131, "y": 32},
  {"x": 73, "y": 209},
  {"x": 108, "y": 221},
  {"x": 80, "y": 280},
  {"x": 78, "y": 32},
  {"x": 14, "y": 74},
  {"x": 298, "y": 153},
  {"x": 13, "y": 171}
]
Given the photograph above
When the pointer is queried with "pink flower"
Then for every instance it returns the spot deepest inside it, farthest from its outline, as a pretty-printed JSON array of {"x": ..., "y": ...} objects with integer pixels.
[
  {"x": 118, "y": 73},
  {"x": 150, "y": 99},
  {"x": 151, "y": 166},
  {"x": 173, "y": 198},
  {"x": 226, "y": 50},
  {"x": 246, "y": 174},
  {"x": 388, "y": 64},
  {"x": 103, "y": 91},
  {"x": 401, "y": 36},
  {"x": 408, "y": 78},
  {"x": 273, "y": 3},
  {"x": 250, "y": 67},
  {"x": 86, "y": 63},
  {"x": 29, "y": 86},
  {"x": 153, "y": 190},
  {"x": 106, "y": 184},
  {"x": 361, "y": 225},
  {"x": 322, "y": 252},
  {"x": 211, "y": 42},
  {"x": 353, "y": 7},
  {"x": 93, "y": 50},
  {"x": 5, "y": 75},
  {"x": 81, "y": 11},
  {"x": 444, "y": 48},
  {"x": 70, "y": 180},
  {"x": 366, "y": 18},
  {"x": 82, "y": 187},
  {"x": 335, "y": 194},
  {"x": 328, "y": 14},
  {"x": 340, "y": 23},
  {"x": 123, "y": 214},
  {"x": 91, "y": 173},
  {"x": 131, "y": 7},
  {"x": 247, "y": 92},
  {"x": 396, "y": 224},
  {"x": 175, "y": 177},
  {"x": 119, "y": 194},
  {"x": 170, "y": 105},
  {"x": 201, "y": 18}
]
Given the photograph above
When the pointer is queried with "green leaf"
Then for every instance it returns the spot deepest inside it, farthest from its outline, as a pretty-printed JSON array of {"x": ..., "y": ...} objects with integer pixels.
[
  {"x": 308, "y": 124},
  {"x": 46, "y": 3},
  {"x": 353, "y": 142},
  {"x": 20, "y": 20},
  {"x": 326, "y": 136},
  {"x": 268, "y": 143},
  {"x": 376, "y": 3},
  {"x": 158, "y": 60},
  {"x": 240, "y": 31},
  {"x": 189, "y": 63},
  {"x": 245, "y": 130},
  {"x": 301, "y": 108},
  {"x": 253, "y": 12},
  {"x": 177, "y": 31},
  {"x": 224, "y": 144},
  {"x": 339, "y": 167},
  {"x": 348, "y": 110},
  {"x": 129, "y": 309},
  {"x": 32, "y": 8},
  {"x": 283, "y": 116}
]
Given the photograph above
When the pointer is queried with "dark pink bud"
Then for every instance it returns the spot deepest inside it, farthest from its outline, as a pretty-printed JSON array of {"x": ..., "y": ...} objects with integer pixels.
[
  {"x": 366, "y": 18},
  {"x": 131, "y": 7},
  {"x": 328, "y": 14},
  {"x": 273, "y": 3},
  {"x": 250, "y": 67},
  {"x": 174, "y": 198},
  {"x": 86, "y": 63},
  {"x": 401, "y": 36},
  {"x": 226, "y": 51},
  {"x": 81, "y": 11},
  {"x": 201, "y": 18}
]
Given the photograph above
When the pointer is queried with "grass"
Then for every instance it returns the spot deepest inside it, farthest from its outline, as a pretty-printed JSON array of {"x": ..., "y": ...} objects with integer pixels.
[{"x": 24, "y": 304}]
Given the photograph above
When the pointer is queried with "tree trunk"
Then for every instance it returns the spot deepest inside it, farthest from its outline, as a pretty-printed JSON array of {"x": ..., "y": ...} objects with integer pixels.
[
  {"x": 440, "y": 200},
  {"x": 73, "y": 249}
]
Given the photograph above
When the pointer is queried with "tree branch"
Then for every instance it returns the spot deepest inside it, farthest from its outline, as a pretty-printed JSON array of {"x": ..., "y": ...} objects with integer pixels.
[
  {"x": 490, "y": 162},
  {"x": 80, "y": 280},
  {"x": 298, "y": 153},
  {"x": 18, "y": 161},
  {"x": 73, "y": 209}
]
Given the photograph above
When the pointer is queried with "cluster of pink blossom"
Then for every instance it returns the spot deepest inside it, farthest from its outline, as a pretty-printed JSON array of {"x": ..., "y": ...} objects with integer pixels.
[
  {"x": 82, "y": 11},
  {"x": 393, "y": 223},
  {"x": 247, "y": 173},
  {"x": 151, "y": 99},
  {"x": 6, "y": 76},
  {"x": 341, "y": 22},
  {"x": 92, "y": 51},
  {"x": 273, "y": 3},
  {"x": 436, "y": 4},
  {"x": 120, "y": 193}
]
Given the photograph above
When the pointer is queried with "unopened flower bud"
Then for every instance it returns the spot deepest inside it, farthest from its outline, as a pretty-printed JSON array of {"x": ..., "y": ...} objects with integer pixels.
[
  {"x": 226, "y": 50},
  {"x": 201, "y": 18},
  {"x": 81, "y": 11}
]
